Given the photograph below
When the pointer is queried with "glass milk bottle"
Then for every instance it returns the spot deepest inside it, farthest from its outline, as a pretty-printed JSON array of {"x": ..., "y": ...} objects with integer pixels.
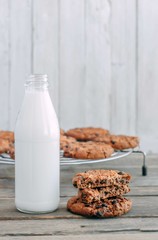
[{"x": 37, "y": 150}]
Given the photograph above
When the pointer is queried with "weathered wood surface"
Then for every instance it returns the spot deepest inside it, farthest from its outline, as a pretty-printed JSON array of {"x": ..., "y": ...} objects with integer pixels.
[
  {"x": 123, "y": 66},
  {"x": 147, "y": 72},
  {"x": 142, "y": 207},
  {"x": 97, "y": 67},
  {"x": 100, "y": 55},
  {"x": 45, "y": 41},
  {"x": 71, "y": 62},
  {"x": 114, "y": 236},
  {"x": 80, "y": 226},
  {"x": 140, "y": 223},
  {"x": 4, "y": 62},
  {"x": 20, "y": 54}
]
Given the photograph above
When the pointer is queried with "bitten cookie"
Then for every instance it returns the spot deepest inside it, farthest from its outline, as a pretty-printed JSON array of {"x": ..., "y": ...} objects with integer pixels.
[
  {"x": 64, "y": 141},
  {"x": 111, "y": 207},
  {"x": 119, "y": 142},
  {"x": 7, "y": 135},
  {"x": 86, "y": 134},
  {"x": 100, "y": 178},
  {"x": 89, "y": 195},
  {"x": 88, "y": 150}
]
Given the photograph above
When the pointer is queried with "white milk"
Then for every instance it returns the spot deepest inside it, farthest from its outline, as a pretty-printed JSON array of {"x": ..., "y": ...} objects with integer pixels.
[{"x": 37, "y": 153}]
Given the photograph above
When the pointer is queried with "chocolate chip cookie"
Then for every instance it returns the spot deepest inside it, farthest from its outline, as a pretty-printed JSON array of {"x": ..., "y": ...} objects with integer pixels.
[
  {"x": 119, "y": 142},
  {"x": 65, "y": 141},
  {"x": 7, "y": 135},
  {"x": 89, "y": 195},
  {"x": 100, "y": 178},
  {"x": 4, "y": 146},
  {"x": 86, "y": 134},
  {"x": 111, "y": 207},
  {"x": 88, "y": 150}
]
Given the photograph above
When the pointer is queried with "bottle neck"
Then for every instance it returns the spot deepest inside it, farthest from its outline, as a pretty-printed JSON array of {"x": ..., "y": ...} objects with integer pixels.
[{"x": 36, "y": 82}]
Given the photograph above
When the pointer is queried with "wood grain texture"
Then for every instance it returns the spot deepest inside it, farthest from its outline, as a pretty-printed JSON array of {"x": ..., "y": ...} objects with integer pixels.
[
  {"x": 147, "y": 73},
  {"x": 100, "y": 57},
  {"x": 80, "y": 226},
  {"x": 64, "y": 226},
  {"x": 112, "y": 236},
  {"x": 20, "y": 54},
  {"x": 123, "y": 67},
  {"x": 8, "y": 211},
  {"x": 4, "y": 63},
  {"x": 144, "y": 191},
  {"x": 71, "y": 63},
  {"x": 46, "y": 43},
  {"x": 140, "y": 223},
  {"x": 97, "y": 63}
]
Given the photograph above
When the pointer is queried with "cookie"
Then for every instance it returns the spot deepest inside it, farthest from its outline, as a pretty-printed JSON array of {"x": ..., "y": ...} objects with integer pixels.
[
  {"x": 104, "y": 139},
  {"x": 89, "y": 195},
  {"x": 62, "y": 132},
  {"x": 88, "y": 150},
  {"x": 64, "y": 141},
  {"x": 86, "y": 134},
  {"x": 7, "y": 135},
  {"x": 111, "y": 207},
  {"x": 100, "y": 178},
  {"x": 11, "y": 151},
  {"x": 119, "y": 142},
  {"x": 4, "y": 146}
]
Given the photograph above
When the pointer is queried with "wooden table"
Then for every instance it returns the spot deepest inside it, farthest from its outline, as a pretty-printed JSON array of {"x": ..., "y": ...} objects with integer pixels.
[{"x": 140, "y": 223}]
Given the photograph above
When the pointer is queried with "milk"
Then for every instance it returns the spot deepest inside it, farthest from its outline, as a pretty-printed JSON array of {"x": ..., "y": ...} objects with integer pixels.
[{"x": 37, "y": 152}]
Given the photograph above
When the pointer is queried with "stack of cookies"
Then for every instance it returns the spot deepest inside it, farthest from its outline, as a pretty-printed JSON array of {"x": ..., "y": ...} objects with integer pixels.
[{"x": 100, "y": 194}]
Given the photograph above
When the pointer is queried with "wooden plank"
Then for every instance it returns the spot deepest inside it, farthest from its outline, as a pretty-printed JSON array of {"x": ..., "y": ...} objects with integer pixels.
[
  {"x": 4, "y": 63},
  {"x": 123, "y": 52},
  {"x": 112, "y": 236},
  {"x": 71, "y": 63},
  {"x": 68, "y": 227},
  {"x": 20, "y": 54},
  {"x": 144, "y": 206},
  {"x": 7, "y": 184},
  {"x": 7, "y": 193},
  {"x": 45, "y": 43},
  {"x": 77, "y": 227},
  {"x": 97, "y": 87},
  {"x": 147, "y": 73},
  {"x": 7, "y": 171}
]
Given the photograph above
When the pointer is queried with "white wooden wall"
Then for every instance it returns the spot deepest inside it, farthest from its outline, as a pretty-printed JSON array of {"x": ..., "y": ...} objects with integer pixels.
[{"x": 101, "y": 57}]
